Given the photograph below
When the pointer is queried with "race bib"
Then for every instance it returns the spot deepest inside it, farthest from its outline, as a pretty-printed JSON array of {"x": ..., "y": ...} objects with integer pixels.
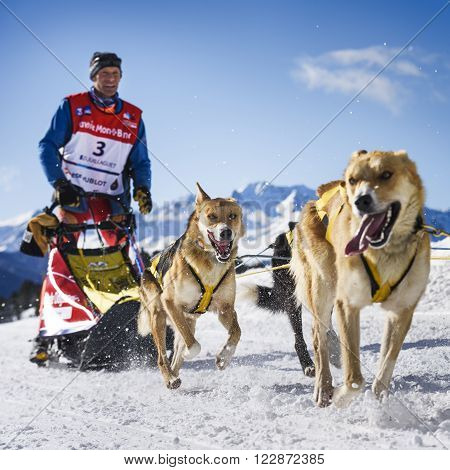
[{"x": 96, "y": 163}]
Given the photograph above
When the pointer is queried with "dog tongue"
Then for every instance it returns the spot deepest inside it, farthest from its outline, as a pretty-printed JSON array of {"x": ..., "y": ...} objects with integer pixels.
[{"x": 369, "y": 228}]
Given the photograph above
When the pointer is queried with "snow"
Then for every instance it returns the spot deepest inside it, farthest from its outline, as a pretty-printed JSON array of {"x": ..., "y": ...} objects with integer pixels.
[
  {"x": 262, "y": 401},
  {"x": 17, "y": 220}
]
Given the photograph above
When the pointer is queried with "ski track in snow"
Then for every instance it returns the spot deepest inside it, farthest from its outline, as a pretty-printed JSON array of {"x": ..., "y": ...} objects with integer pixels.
[{"x": 262, "y": 401}]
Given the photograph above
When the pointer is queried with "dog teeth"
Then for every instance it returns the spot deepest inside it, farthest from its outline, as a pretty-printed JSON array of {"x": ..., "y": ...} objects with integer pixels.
[
  {"x": 388, "y": 217},
  {"x": 378, "y": 240},
  {"x": 385, "y": 226}
]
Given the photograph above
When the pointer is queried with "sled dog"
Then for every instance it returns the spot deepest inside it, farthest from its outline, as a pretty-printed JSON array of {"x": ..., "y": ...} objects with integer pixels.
[
  {"x": 192, "y": 276},
  {"x": 362, "y": 243},
  {"x": 281, "y": 298}
]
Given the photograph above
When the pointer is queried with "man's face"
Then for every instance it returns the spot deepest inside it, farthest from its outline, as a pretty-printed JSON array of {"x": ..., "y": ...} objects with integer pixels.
[{"x": 106, "y": 82}]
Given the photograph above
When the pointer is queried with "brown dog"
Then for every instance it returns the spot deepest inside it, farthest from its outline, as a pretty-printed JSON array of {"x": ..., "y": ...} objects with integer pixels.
[
  {"x": 192, "y": 276},
  {"x": 362, "y": 243}
]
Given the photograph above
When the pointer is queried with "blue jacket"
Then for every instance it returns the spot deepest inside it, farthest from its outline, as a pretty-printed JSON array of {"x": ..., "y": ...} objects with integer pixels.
[{"x": 60, "y": 132}]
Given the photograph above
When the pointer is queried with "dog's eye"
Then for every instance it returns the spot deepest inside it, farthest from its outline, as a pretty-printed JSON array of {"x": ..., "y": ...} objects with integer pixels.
[
  {"x": 352, "y": 181},
  {"x": 385, "y": 175},
  {"x": 212, "y": 216},
  {"x": 232, "y": 216}
]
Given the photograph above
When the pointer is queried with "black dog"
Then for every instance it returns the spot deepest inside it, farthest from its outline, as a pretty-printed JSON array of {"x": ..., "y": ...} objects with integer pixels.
[{"x": 281, "y": 296}]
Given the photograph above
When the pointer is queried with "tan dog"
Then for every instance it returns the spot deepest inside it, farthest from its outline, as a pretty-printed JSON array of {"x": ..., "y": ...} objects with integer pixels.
[
  {"x": 361, "y": 243},
  {"x": 192, "y": 276}
]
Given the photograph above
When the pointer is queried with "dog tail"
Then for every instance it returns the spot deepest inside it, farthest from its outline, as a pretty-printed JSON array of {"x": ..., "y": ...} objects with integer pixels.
[
  {"x": 143, "y": 322},
  {"x": 262, "y": 296},
  {"x": 149, "y": 294}
]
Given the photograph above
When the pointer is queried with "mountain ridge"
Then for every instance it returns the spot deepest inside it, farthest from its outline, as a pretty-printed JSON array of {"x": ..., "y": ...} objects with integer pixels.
[{"x": 267, "y": 211}]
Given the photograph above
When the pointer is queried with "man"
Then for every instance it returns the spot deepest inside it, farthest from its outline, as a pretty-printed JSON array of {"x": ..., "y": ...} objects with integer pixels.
[
  {"x": 96, "y": 142},
  {"x": 103, "y": 141}
]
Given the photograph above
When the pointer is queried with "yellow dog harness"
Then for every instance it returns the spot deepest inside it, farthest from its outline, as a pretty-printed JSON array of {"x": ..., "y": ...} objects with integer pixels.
[
  {"x": 379, "y": 291},
  {"x": 327, "y": 219},
  {"x": 161, "y": 263}
]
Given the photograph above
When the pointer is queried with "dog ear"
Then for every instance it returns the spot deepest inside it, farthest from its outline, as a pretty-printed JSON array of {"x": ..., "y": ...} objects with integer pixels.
[
  {"x": 242, "y": 228},
  {"x": 401, "y": 153},
  {"x": 358, "y": 153},
  {"x": 411, "y": 172},
  {"x": 201, "y": 195}
]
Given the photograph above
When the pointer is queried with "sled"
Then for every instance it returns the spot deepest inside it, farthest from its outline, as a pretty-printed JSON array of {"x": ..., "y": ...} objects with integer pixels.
[{"x": 90, "y": 295}]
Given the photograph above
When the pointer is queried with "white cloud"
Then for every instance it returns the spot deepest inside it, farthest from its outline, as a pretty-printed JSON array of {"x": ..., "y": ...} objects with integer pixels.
[
  {"x": 405, "y": 67},
  {"x": 348, "y": 81},
  {"x": 348, "y": 70}
]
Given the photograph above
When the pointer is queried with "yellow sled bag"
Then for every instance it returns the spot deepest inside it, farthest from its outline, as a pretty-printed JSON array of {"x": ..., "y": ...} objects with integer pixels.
[{"x": 36, "y": 237}]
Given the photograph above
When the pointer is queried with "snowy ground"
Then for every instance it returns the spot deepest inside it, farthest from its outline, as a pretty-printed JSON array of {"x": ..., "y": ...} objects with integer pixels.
[{"x": 262, "y": 401}]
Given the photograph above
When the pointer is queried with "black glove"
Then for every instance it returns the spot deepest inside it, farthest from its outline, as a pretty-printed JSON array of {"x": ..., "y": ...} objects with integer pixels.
[
  {"x": 66, "y": 193},
  {"x": 144, "y": 199}
]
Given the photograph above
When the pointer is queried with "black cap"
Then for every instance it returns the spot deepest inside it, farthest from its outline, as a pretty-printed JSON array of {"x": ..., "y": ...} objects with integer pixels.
[{"x": 103, "y": 59}]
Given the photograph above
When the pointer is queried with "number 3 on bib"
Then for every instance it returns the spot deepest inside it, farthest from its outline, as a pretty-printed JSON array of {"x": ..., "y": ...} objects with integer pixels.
[{"x": 100, "y": 149}]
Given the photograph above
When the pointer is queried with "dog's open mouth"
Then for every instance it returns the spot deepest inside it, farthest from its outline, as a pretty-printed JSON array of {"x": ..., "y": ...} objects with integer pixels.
[
  {"x": 374, "y": 230},
  {"x": 222, "y": 247}
]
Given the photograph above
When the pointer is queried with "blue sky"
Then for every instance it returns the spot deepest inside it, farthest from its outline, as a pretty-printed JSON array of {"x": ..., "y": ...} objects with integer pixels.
[{"x": 232, "y": 90}]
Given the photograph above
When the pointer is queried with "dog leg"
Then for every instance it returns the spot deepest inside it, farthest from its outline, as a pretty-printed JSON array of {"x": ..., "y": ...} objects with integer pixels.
[
  {"x": 152, "y": 319},
  {"x": 180, "y": 348},
  {"x": 396, "y": 328},
  {"x": 228, "y": 318},
  {"x": 323, "y": 388},
  {"x": 183, "y": 327},
  {"x": 158, "y": 326},
  {"x": 348, "y": 321},
  {"x": 295, "y": 317},
  {"x": 178, "y": 354},
  {"x": 321, "y": 302}
]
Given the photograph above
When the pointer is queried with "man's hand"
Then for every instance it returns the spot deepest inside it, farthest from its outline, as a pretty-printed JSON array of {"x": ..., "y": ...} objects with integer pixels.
[
  {"x": 66, "y": 193},
  {"x": 144, "y": 199}
]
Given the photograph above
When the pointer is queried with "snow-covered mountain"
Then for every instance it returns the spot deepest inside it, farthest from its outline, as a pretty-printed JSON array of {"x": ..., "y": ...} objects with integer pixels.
[
  {"x": 264, "y": 211},
  {"x": 15, "y": 267},
  {"x": 267, "y": 211}
]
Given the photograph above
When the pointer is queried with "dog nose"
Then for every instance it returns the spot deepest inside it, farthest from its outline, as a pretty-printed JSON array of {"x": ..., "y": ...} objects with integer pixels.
[
  {"x": 226, "y": 234},
  {"x": 364, "y": 203}
]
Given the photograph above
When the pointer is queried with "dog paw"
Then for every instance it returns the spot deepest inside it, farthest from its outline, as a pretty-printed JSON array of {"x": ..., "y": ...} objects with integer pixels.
[
  {"x": 194, "y": 350},
  {"x": 309, "y": 371},
  {"x": 224, "y": 357},
  {"x": 380, "y": 390},
  {"x": 173, "y": 383},
  {"x": 343, "y": 395},
  {"x": 323, "y": 396}
]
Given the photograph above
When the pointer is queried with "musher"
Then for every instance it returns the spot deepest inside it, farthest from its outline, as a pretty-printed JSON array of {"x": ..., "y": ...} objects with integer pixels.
[{"x": 103, "y": 144}]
